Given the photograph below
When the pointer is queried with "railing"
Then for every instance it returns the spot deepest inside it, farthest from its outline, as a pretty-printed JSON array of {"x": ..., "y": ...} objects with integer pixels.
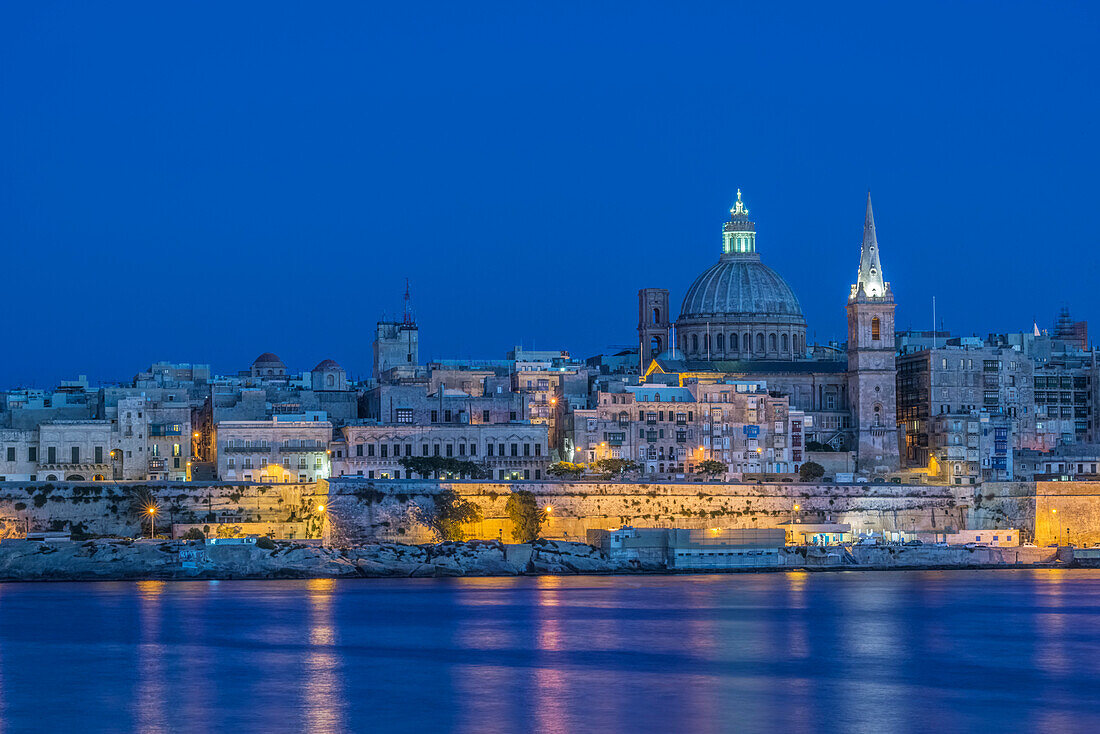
[
  {"x": 300, "y": 449},
  {"x": 247, "y": 449}
]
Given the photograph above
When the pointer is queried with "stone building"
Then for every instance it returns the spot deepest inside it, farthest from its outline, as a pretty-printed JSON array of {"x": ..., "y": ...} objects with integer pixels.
[
  {"x": 62, "y": 450},
  {"x": 669, "y": 430},
  {"x": 964, "y": 380},
  {"x": 504, "y": 451},
  {"x": 740, "y": 321},
  {"x": 272, "y": 450}
]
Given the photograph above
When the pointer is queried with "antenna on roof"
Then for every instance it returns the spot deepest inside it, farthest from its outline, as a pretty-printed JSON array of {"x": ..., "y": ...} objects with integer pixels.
[{"x": 408, "y": 311}]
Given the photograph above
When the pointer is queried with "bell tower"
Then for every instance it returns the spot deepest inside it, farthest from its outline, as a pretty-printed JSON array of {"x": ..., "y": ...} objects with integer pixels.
[
  {"x": 653, "y": 325},
  {"x": 872, "y": 372}
]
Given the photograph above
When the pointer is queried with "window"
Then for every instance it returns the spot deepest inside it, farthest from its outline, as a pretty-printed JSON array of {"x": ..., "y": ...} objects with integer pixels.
[
  {"x": 450, "y": 450},
  {"x": 32, "y": 453},
  {"x": 408, "y": 450},
  {"x": 489, "y": 449},
  {"x": 358, "y": 449},
  {"x": 370, "y": 449},
  {"x": 76, "y": 454},
  {"x": 760, "y": 343},
  {"x": 719, "y": 342},
  {"x": 875, "y": 329},
  {"x": 11, "y": 453},
  {"x": 435, "y": 416},
  {"x": 404, "y": 415},
  {"x": 515, "y": 449},
  {"x": 484, "y": 416},
  {"x": 771, "y": 343},
  {"x": 538, "y": 449},
  {"x": 175, "y": 449},
  {"x": 526, "y": 449},
  {"x": 435, "y": 450}
]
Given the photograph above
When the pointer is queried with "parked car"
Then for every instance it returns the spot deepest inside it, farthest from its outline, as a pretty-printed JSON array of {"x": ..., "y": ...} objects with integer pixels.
[
  {"x": 914, "y": 542},
  {"x": 1029, "y": 545}
]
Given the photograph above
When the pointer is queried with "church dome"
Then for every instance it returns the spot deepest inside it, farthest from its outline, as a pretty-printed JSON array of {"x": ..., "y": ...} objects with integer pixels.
[
  {"x": 739, "y": 308},
  {"x": 741, "y": 285},
  {"x": 267, "y": 359}
]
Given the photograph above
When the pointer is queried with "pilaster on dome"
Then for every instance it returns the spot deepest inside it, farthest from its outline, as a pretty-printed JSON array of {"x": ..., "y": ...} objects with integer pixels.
[
  {"x": 739, "y": 233},
  {"x": 869, "y": 279}
]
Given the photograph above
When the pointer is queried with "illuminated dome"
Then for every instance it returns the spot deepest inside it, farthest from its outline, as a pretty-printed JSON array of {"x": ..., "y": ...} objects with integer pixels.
[
  {"x": 741, "y": 286},
  {"x": 739, "y": 308}
]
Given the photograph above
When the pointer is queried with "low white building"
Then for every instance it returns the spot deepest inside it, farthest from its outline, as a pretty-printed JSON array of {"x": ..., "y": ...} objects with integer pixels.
[{"x": 273, "y": 451}]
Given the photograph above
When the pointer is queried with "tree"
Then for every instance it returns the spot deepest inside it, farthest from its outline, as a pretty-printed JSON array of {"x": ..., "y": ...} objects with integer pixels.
[
  {"x": 616, "y": 467},
  {"x": 526, "y": 516},
  {"x": 711, "y": 468},
  {"x": 818, "y": 446},
  {"x": 432, "y": 466},
  {"x": 450, "y": 513},
  {"x": 193, "y": 534},
  {"x": 565, "y": 470},
  {"x": 811, "y": 471}
]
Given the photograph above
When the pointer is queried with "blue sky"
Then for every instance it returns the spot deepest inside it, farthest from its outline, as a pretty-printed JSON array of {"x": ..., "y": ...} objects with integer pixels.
[{"x": 205, "y": 182}]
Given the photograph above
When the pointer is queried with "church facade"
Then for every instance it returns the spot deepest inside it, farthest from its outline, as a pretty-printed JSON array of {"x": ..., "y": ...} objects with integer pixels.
[{"x": 740, "y": 320}]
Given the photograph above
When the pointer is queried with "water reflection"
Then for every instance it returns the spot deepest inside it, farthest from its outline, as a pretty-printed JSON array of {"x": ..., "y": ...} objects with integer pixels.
[
  {"x": 323, "y": 698},
  {"x": 998, "y": 651},
  {"x": 151, "y": 699}
]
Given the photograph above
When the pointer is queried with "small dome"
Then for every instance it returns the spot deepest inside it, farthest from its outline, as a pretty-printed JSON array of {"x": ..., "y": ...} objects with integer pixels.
[
  {"x": 326, "y": 365},
  {"x": 740, "y": 286},
  {"x": 267, "y": 358}
]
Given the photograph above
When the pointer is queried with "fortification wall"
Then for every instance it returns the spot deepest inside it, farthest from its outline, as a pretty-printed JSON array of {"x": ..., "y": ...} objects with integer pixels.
[
  {"x": 118, "y": 509},
  {"x": 393, "y": 511}
]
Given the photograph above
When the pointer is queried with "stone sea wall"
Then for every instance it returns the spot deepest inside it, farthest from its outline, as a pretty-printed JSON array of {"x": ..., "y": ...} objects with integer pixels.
[
  {"x": 118, "y": 509},
  {"x": 362, "y": 510}
]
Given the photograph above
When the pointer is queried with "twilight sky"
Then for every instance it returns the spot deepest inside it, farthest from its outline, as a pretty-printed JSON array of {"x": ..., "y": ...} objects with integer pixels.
[{"x": 205, "y": 182}]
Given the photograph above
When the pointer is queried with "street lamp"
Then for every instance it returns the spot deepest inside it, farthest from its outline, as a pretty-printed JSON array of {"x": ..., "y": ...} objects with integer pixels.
[
  {"x": 151, "y": 510},
  {"x": 1054, "y": 519},
  {"x": 794, "y": 509}
]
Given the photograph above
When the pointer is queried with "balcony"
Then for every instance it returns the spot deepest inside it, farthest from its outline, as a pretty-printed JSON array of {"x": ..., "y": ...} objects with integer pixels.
[
  {"x": 301, "y": 449},
  {"x": 247, "y": 449},
  {"x": 158, "y": 465}
]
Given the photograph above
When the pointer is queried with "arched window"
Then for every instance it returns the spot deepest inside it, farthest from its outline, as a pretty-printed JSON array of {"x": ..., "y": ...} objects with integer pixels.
[
  {"x": 786, "y": 343},
  {"x": 876, "y": 329},
  {"x": 655, "y": 345},
  {"x": 656, "y": 315},
  {"x": 706, "y": 342},
  {"x": 878, "y": 415},
  {"x": 798, "y": 343},
  {"x": 746, "y": 342},
  {"x": 330, "y": 380},
  {"x": 760, "y": 343},
  {"x": 694, "y": 342},
  {"x": 733, "y": 342},
  {"x": 719, "y": 342},
  {"x": 771, "y": 343}
]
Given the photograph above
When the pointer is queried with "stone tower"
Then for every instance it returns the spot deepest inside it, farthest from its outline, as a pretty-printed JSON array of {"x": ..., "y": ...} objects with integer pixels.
[
  {"x": 872, "y": 373},
  {"x": 397, "y": 343},
  {"x": 653, "y": 324}
]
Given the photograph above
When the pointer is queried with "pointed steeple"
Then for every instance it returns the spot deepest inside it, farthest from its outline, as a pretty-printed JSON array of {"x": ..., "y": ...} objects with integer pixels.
[{"x": 869, "y": 279}]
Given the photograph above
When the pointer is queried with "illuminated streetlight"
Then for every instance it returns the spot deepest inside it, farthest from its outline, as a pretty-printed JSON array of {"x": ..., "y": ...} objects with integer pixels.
[
  {"x": 151, "y": 510},
  {"x": 320, "y": 508}
]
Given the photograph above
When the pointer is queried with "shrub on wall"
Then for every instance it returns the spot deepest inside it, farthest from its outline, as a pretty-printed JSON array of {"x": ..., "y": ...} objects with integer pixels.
[{"x": 526, "y": 516}]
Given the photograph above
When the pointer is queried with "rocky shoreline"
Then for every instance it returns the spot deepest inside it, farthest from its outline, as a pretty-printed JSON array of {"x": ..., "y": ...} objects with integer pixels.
[{"x": 22, "y": 560}]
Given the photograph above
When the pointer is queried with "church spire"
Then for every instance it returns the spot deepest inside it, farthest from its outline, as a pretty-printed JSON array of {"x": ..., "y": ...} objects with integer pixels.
[{"x": 869, "y": 279}]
